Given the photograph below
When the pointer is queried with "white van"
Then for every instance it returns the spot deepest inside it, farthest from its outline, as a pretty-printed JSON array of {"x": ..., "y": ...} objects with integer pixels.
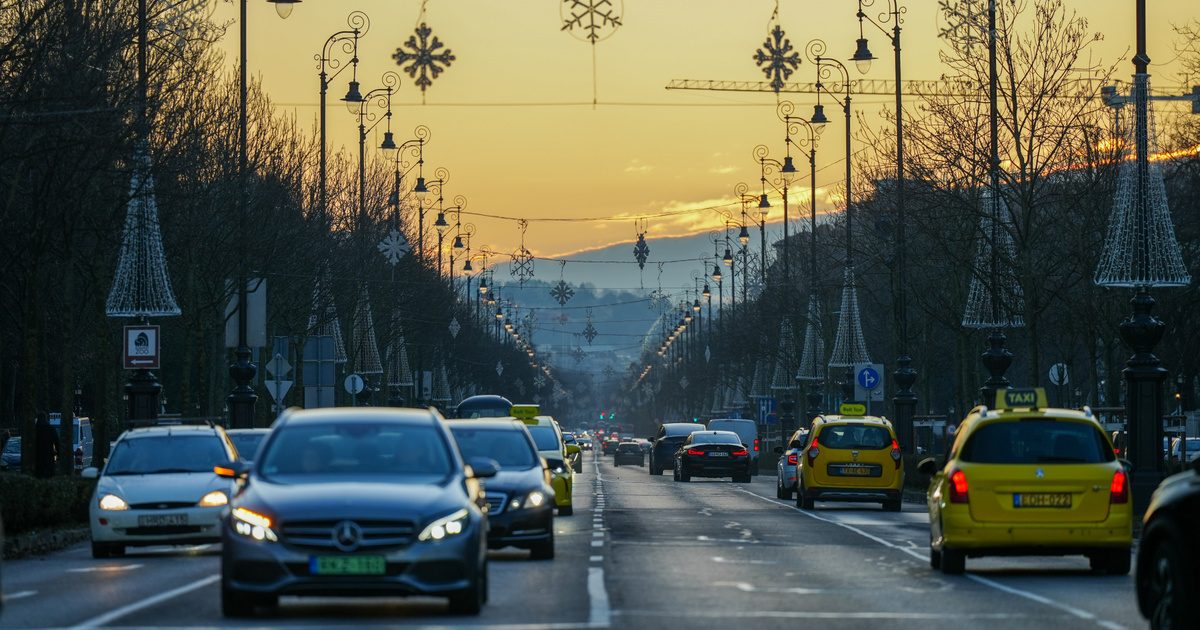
[{"x": 747, "y": 430}]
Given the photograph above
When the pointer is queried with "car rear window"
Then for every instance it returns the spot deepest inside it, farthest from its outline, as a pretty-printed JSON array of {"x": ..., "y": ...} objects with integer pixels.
[
  {"x": 716, "y": 438},
  {"x": 859, "y": 436},
  {"x": 160, "y": 454},
  {"x": 1036, "y": 441},
  {"x": 361, "y": 449},
  {"x": 247, "y": 444},
  {"x": 545, "y": 437},
  {"x": 629, "y": 448},
  {"x": 509, "y": 447}
]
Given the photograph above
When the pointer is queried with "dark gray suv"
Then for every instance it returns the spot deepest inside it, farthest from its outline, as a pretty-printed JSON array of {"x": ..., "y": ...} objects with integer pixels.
[{"x": 356, "y": 502}]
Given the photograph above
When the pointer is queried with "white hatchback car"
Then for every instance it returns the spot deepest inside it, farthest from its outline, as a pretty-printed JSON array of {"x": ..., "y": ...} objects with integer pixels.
[{"x": 159, "y": 488}]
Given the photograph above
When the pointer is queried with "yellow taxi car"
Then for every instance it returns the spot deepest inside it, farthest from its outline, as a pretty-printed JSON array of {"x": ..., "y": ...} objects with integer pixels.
[
  {"x": 547, "y": 435},
  {"x": 1025, "y": 479},
  {"x": 851, "y": 457}
]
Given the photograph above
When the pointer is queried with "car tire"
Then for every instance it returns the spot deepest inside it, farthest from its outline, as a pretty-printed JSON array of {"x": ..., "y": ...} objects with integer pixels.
[
  {"x": 954, "y": 561},
  {"x": 1166, "y": 585},
  {"x": 779, "y": 489},
  {"x": 787, "y": 493},
  {"x": 683, "y": 476},
  {"x": 235, "y": 603},
  {"x": 542, "y": 550},
  {"x": 469, "y": 601},
  {"x": 579, "y": 466},
  {"x": 566, "y": 510},
  {"x": 935, "y": 557},
  {"x": 616, "y": 464}
]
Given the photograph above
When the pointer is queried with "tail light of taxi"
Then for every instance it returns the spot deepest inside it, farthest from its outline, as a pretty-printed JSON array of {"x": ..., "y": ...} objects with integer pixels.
[
  {"x": 1120, "y": 488},
  {"x": 814, "y": 450},
  {"x": 694, "y": 451},
  {"x": 896, "y": 453},
  {"x": 958, "y": 487},
  {"x": 741, "y": 452},
  {"x": 755, "y": 445},
  {"x": 793, "y": 459}
]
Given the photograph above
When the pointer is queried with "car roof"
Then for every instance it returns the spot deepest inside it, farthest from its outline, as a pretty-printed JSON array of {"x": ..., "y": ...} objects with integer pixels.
[
  {"x": 171, "y": 429},
  {"x": 247, "y": 431},
  {"x": 982, "y": 415},
  {"x": 717, "y": 433},
  {"x": 834, "y": 419},
  {"x": 491, "y": 424},
  {"x": 360, "y": 414}
]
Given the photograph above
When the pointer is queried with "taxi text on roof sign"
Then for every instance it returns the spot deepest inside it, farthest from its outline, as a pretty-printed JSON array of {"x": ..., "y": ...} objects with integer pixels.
[
  {"x": 525, "y": 412},
  {"x": 852, "y": 409},
  {"x": 1024, "y": 398}
]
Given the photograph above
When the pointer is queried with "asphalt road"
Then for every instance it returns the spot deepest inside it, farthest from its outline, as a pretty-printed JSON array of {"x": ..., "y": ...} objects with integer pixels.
[{"x": 640, "y": 552}]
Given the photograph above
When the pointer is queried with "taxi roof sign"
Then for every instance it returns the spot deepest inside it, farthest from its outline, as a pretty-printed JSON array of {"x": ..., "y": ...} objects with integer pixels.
[
  {"x": 852, "y": 409},
  {"x": 525, "y": 412},
  {"x": 1021, "y": 398}
]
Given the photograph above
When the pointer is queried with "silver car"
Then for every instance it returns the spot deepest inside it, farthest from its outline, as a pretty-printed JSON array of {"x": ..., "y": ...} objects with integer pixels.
[{"x": 787, "y": 469}]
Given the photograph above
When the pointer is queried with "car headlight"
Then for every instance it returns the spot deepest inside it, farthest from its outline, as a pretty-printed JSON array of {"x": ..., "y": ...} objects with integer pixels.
[
  {"x": 113, "y": 503},
  {"x": 252, "y": 525},
  {"x": 532, "y": 500},
  {"x": 451, "y": 525},
  {"x": 556, "y": 466},
  {"x": 216, "y": 498}
]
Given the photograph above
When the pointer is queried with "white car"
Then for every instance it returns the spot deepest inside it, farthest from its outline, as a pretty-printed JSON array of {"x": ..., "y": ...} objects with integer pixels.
[
  {"x": 159, "y": 488},
  {"x": 787, "y": 469}
]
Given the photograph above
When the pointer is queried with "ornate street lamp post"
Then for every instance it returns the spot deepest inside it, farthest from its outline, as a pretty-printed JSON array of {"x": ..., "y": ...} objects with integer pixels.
[{"x": 348, "y": 40}]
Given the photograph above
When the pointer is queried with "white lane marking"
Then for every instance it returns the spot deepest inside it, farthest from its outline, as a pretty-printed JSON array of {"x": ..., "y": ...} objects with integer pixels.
[
  {"x": 747, "y": 587},
  {"x": 597, "y": 534},
  {"x": 800, "y": 614},
  {"x": 111, "y": 568},
  {"x": 124, "y": 611},
  {"x": 8, "y": 597},
  {"x": 721, "y": 560},
  {"x": 1071, "y": 610},
  {"x": 599, "y": 614},
  {"x": 595, "y": 558}
]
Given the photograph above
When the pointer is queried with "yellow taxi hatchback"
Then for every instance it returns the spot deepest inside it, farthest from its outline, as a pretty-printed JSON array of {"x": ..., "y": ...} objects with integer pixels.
[
  {"x": 851, "y": 457},
  {"x": 1028, "y": 480},
  {"x": 547, "y": 435}
]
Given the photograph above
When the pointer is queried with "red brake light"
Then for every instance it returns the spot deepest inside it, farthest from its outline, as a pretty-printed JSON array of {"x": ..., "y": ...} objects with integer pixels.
[
  {"x": 755, "y": 445},
  {"x": 896, "y": 453},
  {"x": 813, "y": 450},
  {"x": 793, "y": 459},
  {"x": 958, "y": 487},
  {"x": 1120, "y": 488},
  {"x": 694, "y": 451},
  {"x": 741, "y": 452}
]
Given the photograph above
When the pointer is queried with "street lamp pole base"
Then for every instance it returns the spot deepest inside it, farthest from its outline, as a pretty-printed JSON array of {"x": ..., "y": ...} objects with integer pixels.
[
  {"x": 142, "y": 392},
  {"x": 814, "y": 398},
  {"x": 905, "y": 402},
  {"x": 242, "y": 399},
  {"x": 1144, "y": 378},
  {"x": 996, "y": 359}
]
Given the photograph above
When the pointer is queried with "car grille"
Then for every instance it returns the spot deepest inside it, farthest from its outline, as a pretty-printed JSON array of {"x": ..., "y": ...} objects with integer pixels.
[
  {"x": 319, "y": 534},
  {"x": 162, "y": 505},
  {"x": 496, "y": 502},
  {"x": 165, "y": 530}
]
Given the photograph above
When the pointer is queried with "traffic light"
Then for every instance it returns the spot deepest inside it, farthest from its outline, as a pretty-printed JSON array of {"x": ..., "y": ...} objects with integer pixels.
[
  {"x": 602, "y": 415},
  {"x": 695, "y": 419}
]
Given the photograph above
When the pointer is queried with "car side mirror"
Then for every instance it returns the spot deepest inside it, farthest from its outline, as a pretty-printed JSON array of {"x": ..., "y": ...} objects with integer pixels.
[
  {"x": 232, "y": 470},
  {"x": 484, "y": 467},
  {"x": 928, "y": 466},
  {"x": 91, "y": 472},
  {"x": 572, "y": 449}
]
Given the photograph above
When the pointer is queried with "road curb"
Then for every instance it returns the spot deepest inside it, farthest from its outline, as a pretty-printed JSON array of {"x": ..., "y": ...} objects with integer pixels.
[{"x": 40, "y": 542}]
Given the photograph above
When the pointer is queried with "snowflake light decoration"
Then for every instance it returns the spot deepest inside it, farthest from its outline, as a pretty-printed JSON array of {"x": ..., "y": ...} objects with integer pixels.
[
  {"x": 454, "y": 328},
  {"x": 562, "y": 293},
  {"x": 579, "y": 354},
  {"x": 394, "y": 246},
  {"x": 683, "y": 382},
  {"x": 425, "y": 58},
  {"x": 499, "y": 369},
  {"x": 590, "y": 20},
  {"x": 562, "y": 319},
  {"x": 641, "y": 251},
  {"x": 778, "y": 60},
  {"x": 539, "y": 381},
  {"x": 707, "y": 354},
  {"x": 522, "y": 265},
  {"x": 589, "y": 332}
]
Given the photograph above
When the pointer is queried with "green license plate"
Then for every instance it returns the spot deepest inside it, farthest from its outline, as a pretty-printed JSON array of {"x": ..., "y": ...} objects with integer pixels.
[{"x": 347, "y": 565}]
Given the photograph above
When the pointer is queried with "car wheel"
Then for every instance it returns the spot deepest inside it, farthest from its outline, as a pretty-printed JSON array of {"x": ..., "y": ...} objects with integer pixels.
[
  {"x": 579, "y": 467},
  {"x": 1168, "y": 587},
  {"x": 954, "y": 561},
  {"x": 779, "y": 489},
  {"x": 469, "y": 601},
  {"x": 543, "y": 550},
  {"x": 935, "y": 556},
  {"x": 235, "y": 603},
  {"x": 683, "y": 475},
  {"x": 566, "y": 510},
  {"x": 616, "y": 463},
  {"x": 787, "y": 493}
]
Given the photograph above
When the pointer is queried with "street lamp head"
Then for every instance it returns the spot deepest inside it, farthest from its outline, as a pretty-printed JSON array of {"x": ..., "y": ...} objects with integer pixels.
[
  {"x": 284, "y": 7},
  {"x": 389, "y": 143},
  {"x": 467, "y": 266},
  {"x": 458, "y": 242},
  {"x": 862, "y": 56},
  {"x": 420, "y": 190},
  {"x": 728, "y": 257},
  {"x": 744, "y": 235},
  {"x": 483, "y": 286},
  {"x": 818, "y": 117},
  {"x": 507, "y": 324},
  {"x": 499, "y": 314},
  {"x": 764, "y": 206},
  {"x": 716, "y": 274},
  {"x": 687, "y": 318},
  {"x": 706, "y": 292},
  {"x": 696, "y": 305},
  {"x": 353, "y": 97},
  {"x": 789, "y": 171}
]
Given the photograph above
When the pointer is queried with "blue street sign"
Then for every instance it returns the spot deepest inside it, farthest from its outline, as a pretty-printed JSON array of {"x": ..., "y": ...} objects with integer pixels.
[
  {"x": 766, "y": 407},
  {"x": 868, "y": 378}
]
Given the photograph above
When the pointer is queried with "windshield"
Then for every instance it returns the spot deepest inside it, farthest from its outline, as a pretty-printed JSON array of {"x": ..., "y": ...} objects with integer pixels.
[
  {"x": 483, "y": 409},
  {"x": 1037, "y": 441},
  {"x": 545, "y": 438},
  {"x": 167, "y": 454},
  {"x": 510, "y": 448},
  {"x": 716, "y": 438},
  {"x": 247, "y": 444},
  {"x": 351, "y": 448},
  {"x": 855, "y": 436}
]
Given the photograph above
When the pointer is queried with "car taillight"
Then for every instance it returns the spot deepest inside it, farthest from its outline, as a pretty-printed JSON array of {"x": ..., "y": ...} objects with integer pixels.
[
  {"x": 814, "y": 450},
  {"x": 755, "y": 445},
  {"x": 741, "y": 453},
  {"x": 896, "y": 452},
  {"x": 1120, "y": 488},
  {"x": 793, "y": 459},
  {"x": 958, "y": 487},
  {"x": 694, "y": 451}
]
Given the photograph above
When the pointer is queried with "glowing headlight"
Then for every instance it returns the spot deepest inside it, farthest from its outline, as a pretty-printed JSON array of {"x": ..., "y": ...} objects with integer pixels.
[
  {"x": 252, "y": 525},
  {"x": 113, "y": 503},
  {"x": 446, "y": 526},
  {"x": 216, "y": 498},
  {"x": 535, "y": 499}
]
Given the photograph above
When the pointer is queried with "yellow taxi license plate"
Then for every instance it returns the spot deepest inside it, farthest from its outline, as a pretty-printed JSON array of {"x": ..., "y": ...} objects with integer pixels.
[
  {"x": 347, "y": 565},
  {"x": 1041, "y": 499}
]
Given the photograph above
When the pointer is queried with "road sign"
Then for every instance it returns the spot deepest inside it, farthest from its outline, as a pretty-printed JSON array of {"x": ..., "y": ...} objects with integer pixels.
[
  {"x": 1059, "y": 375},
  {"x": 868, "y": 383},
  {"x": 868, "y": 378},
  {"x": 320, "y": 371},
  {"x": 353, "y": 384},
  {"x": 278, "y": 389},
  {"x": 278, "y": 366},
  {"x": 141, "y": 347},
  {"x": 256, "y": 314},
  {"x": 766, "y": 409}
]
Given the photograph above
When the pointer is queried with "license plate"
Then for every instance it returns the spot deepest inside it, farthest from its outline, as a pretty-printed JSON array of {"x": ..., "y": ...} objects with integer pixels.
[
  {"x": 347, "y": 565},
  {"x": 162, "y": 520},
  {"x": 718, "y": 454},
  {"x": 856, "y": 471},
  {"x": 1050, "y": 500}
]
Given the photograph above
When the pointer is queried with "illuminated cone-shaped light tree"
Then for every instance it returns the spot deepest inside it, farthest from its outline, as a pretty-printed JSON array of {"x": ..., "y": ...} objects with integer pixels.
[
  {"x": 323, "y": 319},
  {"x": 366, "y": 348},
  {"x": 783, "y": 377},
  {"x": 849, "y": 346},
  {"x": 398, "y": 373},
  {"x": 812, "y": 360}
]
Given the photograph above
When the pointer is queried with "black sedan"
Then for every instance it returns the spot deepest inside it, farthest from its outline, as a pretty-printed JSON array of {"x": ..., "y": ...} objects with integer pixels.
[
  {"x": 713, "y": 454},
  {"x": 1168, "y": 581},
  {"x": 629, "y": 452},
  {"x": 356, "y": 502},
  {"x": 520, "y": 499}
]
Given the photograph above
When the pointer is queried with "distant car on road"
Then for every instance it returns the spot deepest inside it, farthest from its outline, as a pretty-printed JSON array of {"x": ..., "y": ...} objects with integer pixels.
[
  {"x": 747, "y": 430},
  {"x": 713, "y": 454},
  {"x": 159, "y": 488},
  {"x": 788, "y": 467},
  {"x": 1185, "y": 450},
  {"x": 609, "y": 445},
  {"x": 484, "y": 406},
  {"x": 585, "y": 443},
  {"x": 851, "y": 457},
  {"x": 575, "y": 458},
  {"x": 247, "y": 441},
  {"x": 353, "y": 502},
  {"x": 629, "y": 452},
  {"x": 10, "y": 459},
  {"x": 667, "y": 441},
  {"x": 1168, "y": 582}
]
